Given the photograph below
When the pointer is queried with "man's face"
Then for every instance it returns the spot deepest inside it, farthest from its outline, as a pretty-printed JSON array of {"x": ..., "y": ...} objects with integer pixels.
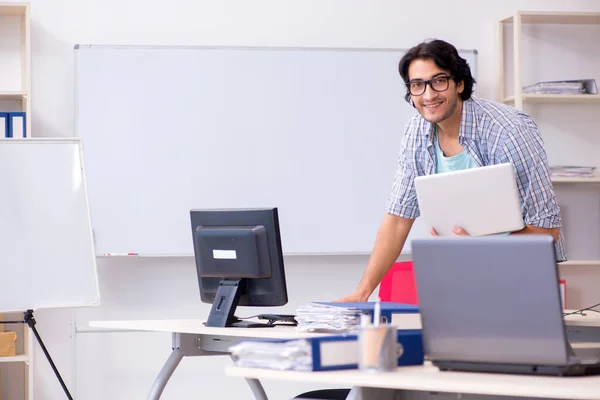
[{"x": 434, "y": 106}]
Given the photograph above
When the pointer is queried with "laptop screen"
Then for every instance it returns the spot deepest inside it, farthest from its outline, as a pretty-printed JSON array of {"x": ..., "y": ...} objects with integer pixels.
[{"x": 490, "y": 299}]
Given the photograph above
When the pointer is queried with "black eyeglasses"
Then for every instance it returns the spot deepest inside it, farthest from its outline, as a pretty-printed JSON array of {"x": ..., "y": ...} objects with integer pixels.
[{"x": 439, "y": 84}]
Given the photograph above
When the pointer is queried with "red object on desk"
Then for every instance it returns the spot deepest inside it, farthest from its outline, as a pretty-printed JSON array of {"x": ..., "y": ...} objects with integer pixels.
[
  {"x": 398, "y": 285},
  {"x": 563, "y": 293}
]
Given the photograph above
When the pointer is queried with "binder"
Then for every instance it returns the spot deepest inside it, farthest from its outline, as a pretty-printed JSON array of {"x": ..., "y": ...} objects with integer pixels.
[
  {"x": 4, "y": 128},
  {"x": 17, "y": 125},
  {"x": 388, "y": 309},
  {"x": 326, "y": 353}
]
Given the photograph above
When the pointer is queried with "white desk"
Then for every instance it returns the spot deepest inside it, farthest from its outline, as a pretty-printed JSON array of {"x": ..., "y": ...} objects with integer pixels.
[
  {"x": 192, "y": 338},
  {"x": 419, "y": 382}
]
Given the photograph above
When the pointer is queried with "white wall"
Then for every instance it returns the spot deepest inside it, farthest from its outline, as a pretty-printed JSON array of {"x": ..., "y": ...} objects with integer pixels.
[{"x": 122, "y": 366}]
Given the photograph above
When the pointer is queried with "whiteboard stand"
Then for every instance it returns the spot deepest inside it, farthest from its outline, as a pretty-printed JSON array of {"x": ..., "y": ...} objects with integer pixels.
[{"x": 46, "y": 237}]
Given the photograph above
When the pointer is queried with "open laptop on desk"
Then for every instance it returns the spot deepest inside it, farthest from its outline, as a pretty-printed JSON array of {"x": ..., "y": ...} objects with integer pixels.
[{"x": 493, "y": 304}]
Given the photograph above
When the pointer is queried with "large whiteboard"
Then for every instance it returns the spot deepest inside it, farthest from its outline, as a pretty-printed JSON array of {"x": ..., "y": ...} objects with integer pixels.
[
  {"x": 46, "y": 245},
  {"x": 314, "y": 132}
]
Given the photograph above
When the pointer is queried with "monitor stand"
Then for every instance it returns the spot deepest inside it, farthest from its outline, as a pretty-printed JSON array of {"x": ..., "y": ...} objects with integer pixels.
[{"x": 223, "y": 307}]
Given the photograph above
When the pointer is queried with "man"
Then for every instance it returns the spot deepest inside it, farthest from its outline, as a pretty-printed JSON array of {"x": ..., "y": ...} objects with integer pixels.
[{"x": 456, "y": 131}]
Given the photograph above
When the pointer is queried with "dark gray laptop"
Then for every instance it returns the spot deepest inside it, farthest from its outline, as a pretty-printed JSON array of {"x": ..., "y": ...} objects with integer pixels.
[{"x": 493, "y": 304}]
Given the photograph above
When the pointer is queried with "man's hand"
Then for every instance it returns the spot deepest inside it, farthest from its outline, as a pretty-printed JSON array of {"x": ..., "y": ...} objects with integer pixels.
[
  {"x": 354, "y": 297},
  {"x": 456, "y": 230}
]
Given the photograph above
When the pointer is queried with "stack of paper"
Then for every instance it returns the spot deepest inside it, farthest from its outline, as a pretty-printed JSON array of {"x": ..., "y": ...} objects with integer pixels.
[
  {"x": 288, "y": 355},
  {"x": 581, "y": 86},
  {"x": 325, "y": 318},
  {"x": 572, "y": 171}
]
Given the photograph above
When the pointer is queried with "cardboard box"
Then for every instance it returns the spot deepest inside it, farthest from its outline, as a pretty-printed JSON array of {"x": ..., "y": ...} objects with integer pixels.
[{"x": 8, "y": 344}]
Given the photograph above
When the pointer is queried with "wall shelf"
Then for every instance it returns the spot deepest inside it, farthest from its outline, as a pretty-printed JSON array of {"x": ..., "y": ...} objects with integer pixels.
[
  {"x": 586, "y": 263},
  {"x": 575, "y": 179},
  {"x": 13, "y": 9},
  {"x": 556, "y": 98},
  {"x": 14, "y": 95},
  {"x": 19, "y": 358},
  {"x": 555, "y": 17}
]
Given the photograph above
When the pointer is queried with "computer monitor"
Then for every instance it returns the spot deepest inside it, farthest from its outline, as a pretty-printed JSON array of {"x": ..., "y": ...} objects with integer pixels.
[{"x": 239, "y": 262}]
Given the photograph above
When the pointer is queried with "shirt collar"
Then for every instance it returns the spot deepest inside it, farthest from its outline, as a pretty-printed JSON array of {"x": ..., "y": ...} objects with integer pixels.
[{"x": 467, "y": 128}]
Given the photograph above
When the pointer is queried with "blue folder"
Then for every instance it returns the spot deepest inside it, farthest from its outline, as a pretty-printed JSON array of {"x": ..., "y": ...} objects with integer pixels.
[
  {"x": 387, "y": 308},
  {"x": 341, "y": 351},
  {"x": 4, "y": 127},
  {"x": 17, "y": 125}
]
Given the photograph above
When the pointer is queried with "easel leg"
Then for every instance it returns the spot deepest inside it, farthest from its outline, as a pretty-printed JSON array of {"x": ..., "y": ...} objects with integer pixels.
[{"x": 30, "y": 320}]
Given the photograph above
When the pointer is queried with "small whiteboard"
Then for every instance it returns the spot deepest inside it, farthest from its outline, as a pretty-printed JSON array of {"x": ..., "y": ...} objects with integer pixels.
[{"x": 46, "y": 243}]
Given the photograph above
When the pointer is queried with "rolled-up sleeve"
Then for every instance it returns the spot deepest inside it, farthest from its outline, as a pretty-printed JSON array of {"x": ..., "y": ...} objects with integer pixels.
[
  {"x": 524, "y": 149},
  {"x": 403, "y": 198}
]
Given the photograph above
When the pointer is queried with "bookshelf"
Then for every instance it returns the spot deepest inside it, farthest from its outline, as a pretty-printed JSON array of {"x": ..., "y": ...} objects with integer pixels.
[
  {"x": 511, "y": 65},
  {"x": 15, "y": 95},
  {"x": 15, "y": 60},
  {"x": 538, "y": 18}
]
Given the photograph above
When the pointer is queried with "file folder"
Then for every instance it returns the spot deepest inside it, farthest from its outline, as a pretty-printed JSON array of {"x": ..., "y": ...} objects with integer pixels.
[
  {"x": 388, "y": 308},
  {"x": 17, "y": 125},
  {"x": 4, "y": 128},
  {"x": 323, "y": 353}
]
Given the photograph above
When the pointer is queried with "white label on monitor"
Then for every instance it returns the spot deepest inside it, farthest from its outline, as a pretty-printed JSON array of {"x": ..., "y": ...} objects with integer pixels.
[{"x": 224, "y": 254}]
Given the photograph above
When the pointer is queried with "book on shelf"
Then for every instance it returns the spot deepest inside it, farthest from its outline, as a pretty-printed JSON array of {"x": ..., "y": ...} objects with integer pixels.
[
  {"x": 17, "y": 127},
  {"x": 4, "y": 127},
  {"x": 13, "y": 125},
  {"x": 578, "y": 86}
]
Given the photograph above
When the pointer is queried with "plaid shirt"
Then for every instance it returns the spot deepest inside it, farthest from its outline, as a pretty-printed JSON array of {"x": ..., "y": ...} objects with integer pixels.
[{"x": 492, "y": 134}]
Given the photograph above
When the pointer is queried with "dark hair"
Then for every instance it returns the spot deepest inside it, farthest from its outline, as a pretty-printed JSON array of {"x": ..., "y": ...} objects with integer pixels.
[{"x": 445, "y": 56}]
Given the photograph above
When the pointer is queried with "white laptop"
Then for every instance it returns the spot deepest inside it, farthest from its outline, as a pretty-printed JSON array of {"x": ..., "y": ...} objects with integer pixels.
[{"x": 482, "y": 201}]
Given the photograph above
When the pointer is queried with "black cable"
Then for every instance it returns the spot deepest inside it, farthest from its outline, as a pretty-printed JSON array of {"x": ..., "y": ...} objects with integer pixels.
[
  {"x": 581, "y": 311},
  {"x": 252, "y": 316}
]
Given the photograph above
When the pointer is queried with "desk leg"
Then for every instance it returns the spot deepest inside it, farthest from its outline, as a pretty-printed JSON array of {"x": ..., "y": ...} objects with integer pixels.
[
  {"x": 257, "y": 389},
  {"x": 165, "y": 374},
  {"x": 183, "y": 345},
  {"x": 189, "y": 345}
]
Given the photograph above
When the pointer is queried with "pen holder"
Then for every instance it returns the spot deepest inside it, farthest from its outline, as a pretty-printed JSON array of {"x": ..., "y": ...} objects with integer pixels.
[{"x": 378, "y": 348}]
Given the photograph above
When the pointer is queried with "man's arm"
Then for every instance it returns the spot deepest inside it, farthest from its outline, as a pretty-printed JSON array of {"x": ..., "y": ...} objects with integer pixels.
[
  {"x": 525, "y": 150},
  {"x": 402, "y": 209},
  {"x": 389, "y": 242}
]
